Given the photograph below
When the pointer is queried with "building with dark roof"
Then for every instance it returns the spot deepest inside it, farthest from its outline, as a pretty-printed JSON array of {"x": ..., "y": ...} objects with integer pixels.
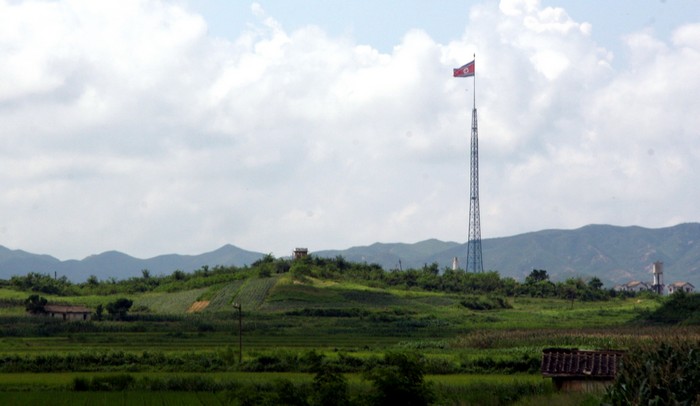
[
  {"x": 577, "y": 370},
  {"x": 68, "y": 312}
]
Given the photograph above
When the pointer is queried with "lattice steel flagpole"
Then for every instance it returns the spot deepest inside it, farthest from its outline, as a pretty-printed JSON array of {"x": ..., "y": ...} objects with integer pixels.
[{"x": 474, "y": 259}]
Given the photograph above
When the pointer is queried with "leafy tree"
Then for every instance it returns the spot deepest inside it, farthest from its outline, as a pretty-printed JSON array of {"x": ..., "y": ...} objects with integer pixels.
[
  {"x": 432, "y": 269},
  {"x": 266, "y": 259},
  {"x": 92, "y": 281},
  {"x": 204, "y": 271},
  {"x": 537, "y": 284},
  {"x": 537, "y": 275},
  {"x": 341, "y": 263},
  {"x": 330, "y": 388},
  {"x": 264, "y": 272},
  {"x": 568, "y": 291},
  {"x": 399, "y": 381},
  {"x": 119, "y": 308},
  {"x": 99, "y": 311},
  {"x": 35, "y": 304},
  {"x": 146, "y": 274},
  {"x": 37, "y": 282},
  {"x": 282, "y": 266},
  {"x": 595, "y": 283}
]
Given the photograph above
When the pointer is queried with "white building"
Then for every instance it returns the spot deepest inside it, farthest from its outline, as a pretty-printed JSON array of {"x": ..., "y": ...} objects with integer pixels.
[
  {"x": 633, "y": 286},
  {"x": 681, "y": 286}
]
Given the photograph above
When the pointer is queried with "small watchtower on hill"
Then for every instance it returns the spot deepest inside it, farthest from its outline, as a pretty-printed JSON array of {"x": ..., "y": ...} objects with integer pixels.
[{"x": 300, "y": 253}]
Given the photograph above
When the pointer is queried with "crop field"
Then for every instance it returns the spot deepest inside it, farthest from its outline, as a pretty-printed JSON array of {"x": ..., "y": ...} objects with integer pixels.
[
  {"x": 254, "y": 292},
  {"x": 222, "y": 298}
]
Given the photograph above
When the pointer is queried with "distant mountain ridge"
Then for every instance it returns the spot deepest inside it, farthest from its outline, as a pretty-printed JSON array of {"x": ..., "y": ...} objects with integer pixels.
[
  {"x": 119, "y": 265},
  {"x": 614, "y": 254}
]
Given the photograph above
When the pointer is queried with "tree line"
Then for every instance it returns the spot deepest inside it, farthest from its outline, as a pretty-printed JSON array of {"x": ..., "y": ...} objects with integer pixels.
[{"x": 429, "y": 278}]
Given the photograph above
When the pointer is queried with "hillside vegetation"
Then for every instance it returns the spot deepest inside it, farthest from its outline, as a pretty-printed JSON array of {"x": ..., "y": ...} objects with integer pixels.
[
  {"x": 613, "y": 254},
  {"x": 461, "y": 330}
]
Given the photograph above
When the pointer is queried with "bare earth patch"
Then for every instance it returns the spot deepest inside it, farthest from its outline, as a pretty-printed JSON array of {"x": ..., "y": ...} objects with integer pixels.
[{"x": 198, "y": 306}]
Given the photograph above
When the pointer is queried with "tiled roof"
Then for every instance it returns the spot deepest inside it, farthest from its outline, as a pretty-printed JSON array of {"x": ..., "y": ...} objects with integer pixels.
[
  {"x": 66, "y": 309},
  {"x": 681, "y": 284},
  {"x": 567, "y": 362}
]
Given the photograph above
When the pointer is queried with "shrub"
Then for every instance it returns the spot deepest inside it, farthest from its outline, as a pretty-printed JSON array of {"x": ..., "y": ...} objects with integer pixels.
[
  {"x": 399, "y": 381},
  {"x": 35, "y": 304},
  {"x": 680, "y": 307},
  {"x": 330, "y": 388},
  {"x": 119, "y": 308},
  {"x": 484, "y": 303}
]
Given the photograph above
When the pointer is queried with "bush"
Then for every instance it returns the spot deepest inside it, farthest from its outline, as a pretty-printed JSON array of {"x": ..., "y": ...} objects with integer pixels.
[
  {"x": 119, "y": 308},
  {"x": 399, "y": 381},
  {"x": 484, "y": 303},
  {"x": 330, "y": 388},
  {"x": 35, "y": 304},
  {"x": 680, "y": 307}
]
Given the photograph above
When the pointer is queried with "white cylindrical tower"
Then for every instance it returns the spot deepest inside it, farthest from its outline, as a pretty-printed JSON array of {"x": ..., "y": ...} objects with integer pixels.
[{"x": 658, "y": 272}]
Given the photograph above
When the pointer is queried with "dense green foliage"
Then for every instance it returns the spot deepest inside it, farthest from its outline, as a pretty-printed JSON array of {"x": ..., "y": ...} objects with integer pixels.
[
  {"x": 679, "y": 308},
  {"x": 428, "y": 278},
  {"x": 35, "y": 304},
  {"x": 118, "y": 308},
  {"x": 665, "y": 373},
  {"x": 484, "y": 303},
  {"x": 399, "y": 381},
  {"x": 35, "y": 282},
  {"x": 330, "y": 388}
]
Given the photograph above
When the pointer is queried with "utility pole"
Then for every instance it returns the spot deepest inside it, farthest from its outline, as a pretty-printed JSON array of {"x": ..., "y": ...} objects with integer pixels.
[{"x": 240, "y": 332}]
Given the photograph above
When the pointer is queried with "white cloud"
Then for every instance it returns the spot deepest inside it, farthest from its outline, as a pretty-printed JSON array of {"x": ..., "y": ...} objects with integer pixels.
[{"x": 126, "y": 126}]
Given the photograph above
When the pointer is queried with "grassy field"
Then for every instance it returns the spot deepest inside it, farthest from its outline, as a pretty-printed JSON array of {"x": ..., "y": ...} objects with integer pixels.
[{"x": 471, "y": 356}]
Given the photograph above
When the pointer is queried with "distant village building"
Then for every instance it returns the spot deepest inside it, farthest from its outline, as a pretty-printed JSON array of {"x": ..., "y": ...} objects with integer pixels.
[
  {"x": 657, "y": 285},
  {"x": 67, "y": 312},
  {"x": 300, "y": 253},
  {"x": 686, "y": 287},
  {"x": 576, "y": 370},
  {"x": 633, "y": 286}
]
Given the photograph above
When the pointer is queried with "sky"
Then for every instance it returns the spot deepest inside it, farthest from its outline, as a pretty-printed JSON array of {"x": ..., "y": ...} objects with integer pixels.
[{"x": 155, "y": 127}]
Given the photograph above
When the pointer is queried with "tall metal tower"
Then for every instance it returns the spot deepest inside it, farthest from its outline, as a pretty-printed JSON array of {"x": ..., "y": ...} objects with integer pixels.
[{"x": 474, "y": 260}]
